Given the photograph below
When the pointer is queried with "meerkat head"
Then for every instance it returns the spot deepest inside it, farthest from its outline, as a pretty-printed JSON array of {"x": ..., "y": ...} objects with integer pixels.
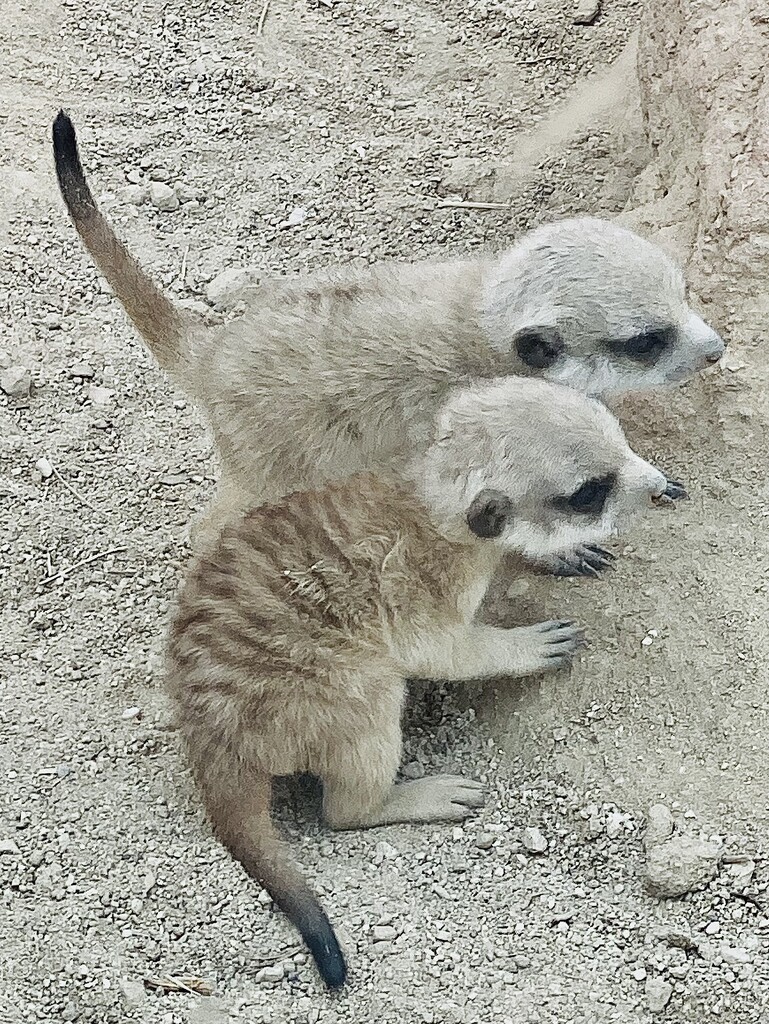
[
  {"x": 533, "y": 467},
  {"x": 587, "y": 303}
]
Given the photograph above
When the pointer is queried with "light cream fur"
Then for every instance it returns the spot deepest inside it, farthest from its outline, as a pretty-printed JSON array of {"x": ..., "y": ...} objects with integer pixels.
[
  {"x": 298, "y": 625},
  {"x": 342, "y": 371}
]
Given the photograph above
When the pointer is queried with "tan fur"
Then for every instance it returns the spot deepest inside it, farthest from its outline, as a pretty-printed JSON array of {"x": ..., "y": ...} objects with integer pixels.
[
  {"x": 343, "y": 370},
  {"x": 297, "y": 627}
]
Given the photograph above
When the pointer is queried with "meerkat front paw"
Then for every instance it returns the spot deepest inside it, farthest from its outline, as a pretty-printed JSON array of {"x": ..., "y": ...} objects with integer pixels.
[
  {"x": 545, "y": 647},
  {"x": 586, "y": 560},
  {"x": 435, "y": 798}
]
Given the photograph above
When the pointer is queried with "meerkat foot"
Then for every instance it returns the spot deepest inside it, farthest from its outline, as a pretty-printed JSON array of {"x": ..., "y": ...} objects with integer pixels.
[
  {"x": 545, "y": 647},
  {"x": 586, "y": 560},
  {"x": 436, "y": 798}
]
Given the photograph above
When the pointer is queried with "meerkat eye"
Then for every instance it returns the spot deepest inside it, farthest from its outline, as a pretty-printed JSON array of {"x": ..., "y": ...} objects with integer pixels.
[
  {"x": 590, "y": 498},
  {"x": 646, "y": 347},
  {"x": 539, "y": 347}
]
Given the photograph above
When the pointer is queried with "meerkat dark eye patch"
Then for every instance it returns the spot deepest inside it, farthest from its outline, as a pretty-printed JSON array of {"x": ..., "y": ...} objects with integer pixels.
[
  {"x": 539, "y": 347},
  {"x": 489, "y": 513},
  {"x": 646, "y": 347},
  {"x": 590, "y": 498}
]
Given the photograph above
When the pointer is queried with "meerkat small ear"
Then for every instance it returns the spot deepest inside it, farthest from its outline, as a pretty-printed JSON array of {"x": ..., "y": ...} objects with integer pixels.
[
  {"x": 538, "y": 347},
  {"x": 489, "y": 513}
]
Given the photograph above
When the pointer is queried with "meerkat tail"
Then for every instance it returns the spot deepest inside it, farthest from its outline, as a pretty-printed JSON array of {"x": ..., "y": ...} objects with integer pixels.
[
  {"x": 159, "y": 323},
  {"x": 240, "y": 816}
]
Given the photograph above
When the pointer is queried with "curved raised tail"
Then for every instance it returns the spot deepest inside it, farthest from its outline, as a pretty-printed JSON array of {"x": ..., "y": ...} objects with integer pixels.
[
  {"x": 238, "y": 806},
  {"x": 158, "y": 321}
]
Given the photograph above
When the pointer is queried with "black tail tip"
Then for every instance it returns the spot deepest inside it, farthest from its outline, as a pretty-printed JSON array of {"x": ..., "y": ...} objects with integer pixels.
[
  {"x": 64, "y": 139},
  {"x": 328, "y": 957},
  {"x": 334, "y": 972}
]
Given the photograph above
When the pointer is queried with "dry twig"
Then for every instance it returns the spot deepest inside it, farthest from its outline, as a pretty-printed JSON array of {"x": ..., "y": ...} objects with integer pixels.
[
  {"x": 72, "y": 490},
  {"x": 183, "y": 268},
  {"x": 466, "y": 204},
  {"x": 542, "y": 59},
  {"x": 182, "y": 983},
  {"x": 63, "y": 573},
  {"x": 262, "y": 16}
]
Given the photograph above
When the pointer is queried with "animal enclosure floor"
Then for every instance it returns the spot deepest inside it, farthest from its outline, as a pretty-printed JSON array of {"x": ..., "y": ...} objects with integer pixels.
[{"x": 345, "y": 131}]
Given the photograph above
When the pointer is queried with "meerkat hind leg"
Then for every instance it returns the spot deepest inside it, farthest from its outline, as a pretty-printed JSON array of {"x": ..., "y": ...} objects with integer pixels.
[
  {"x": 432, "y": 799},
  {"x": 359, "y": 790}
]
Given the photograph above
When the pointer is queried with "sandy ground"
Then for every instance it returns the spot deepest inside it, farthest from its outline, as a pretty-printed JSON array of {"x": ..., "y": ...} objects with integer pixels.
[{"x": 365, "y": 116}]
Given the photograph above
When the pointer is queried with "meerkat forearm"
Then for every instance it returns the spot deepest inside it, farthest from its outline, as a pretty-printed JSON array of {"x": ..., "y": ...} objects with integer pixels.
[{"x": 479, "y": 651}]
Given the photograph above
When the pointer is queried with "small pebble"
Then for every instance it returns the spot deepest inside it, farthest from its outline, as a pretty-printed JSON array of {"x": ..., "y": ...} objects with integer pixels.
[
  {"x": 100, "y": 395},
  {"x": 16, "y": 381},
  {"x": 135, "y": 195},
  {"x": 132, "y": 712},
  {"x": 8, "y": 846},
  {"x": 658, "y": 993},
  {"x": 485, "y": 841},
  {"x": 735, "y": 955},
  {"x": 228, "y": 282},
  {"x": 533, "y": 840},
  {"x": 44, "y": 468},
  {"x": 134, "y": 992},
  {"x": 272, "y": 974},
  {"x": 585, "y": 12},
  {"x": 680, "y": 865},
  {"x": 741, "y": 874},
  {"x": 713, "y": 928},
  {"x": 82, "y": 370},
  {"x": 295, "y": 218},
  {"x": 163, "y": 197},
  {"x": 384, "y": 933},
  {"x": 659, "y": 825}
]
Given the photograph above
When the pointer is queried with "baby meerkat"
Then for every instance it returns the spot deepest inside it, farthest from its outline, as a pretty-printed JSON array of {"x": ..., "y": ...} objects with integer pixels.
[
  {"x": 297, "y": 627},
  {"x": 343, "y": 371}
]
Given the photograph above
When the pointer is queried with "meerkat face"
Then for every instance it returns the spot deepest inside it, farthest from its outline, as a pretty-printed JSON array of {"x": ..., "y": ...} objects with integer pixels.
[
  {"x": 589, "y": 304},
  {"x": 533, "y": 467}
]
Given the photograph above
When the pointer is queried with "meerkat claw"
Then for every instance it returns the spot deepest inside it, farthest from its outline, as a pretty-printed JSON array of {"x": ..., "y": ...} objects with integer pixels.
[
  {"x": 588, "y": 560},
  {"x": 675, "y": 491}
]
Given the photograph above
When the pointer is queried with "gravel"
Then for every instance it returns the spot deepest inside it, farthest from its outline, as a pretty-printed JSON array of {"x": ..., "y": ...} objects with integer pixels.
[{"x": 364, "y": 118}]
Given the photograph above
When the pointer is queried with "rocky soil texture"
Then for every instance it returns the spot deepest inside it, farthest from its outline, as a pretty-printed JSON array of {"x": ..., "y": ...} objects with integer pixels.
[{"x": 220, "y": 135}]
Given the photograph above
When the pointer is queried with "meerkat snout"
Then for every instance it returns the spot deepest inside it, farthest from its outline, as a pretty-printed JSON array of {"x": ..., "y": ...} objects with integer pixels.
[{"x": 702, "y": 337}]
